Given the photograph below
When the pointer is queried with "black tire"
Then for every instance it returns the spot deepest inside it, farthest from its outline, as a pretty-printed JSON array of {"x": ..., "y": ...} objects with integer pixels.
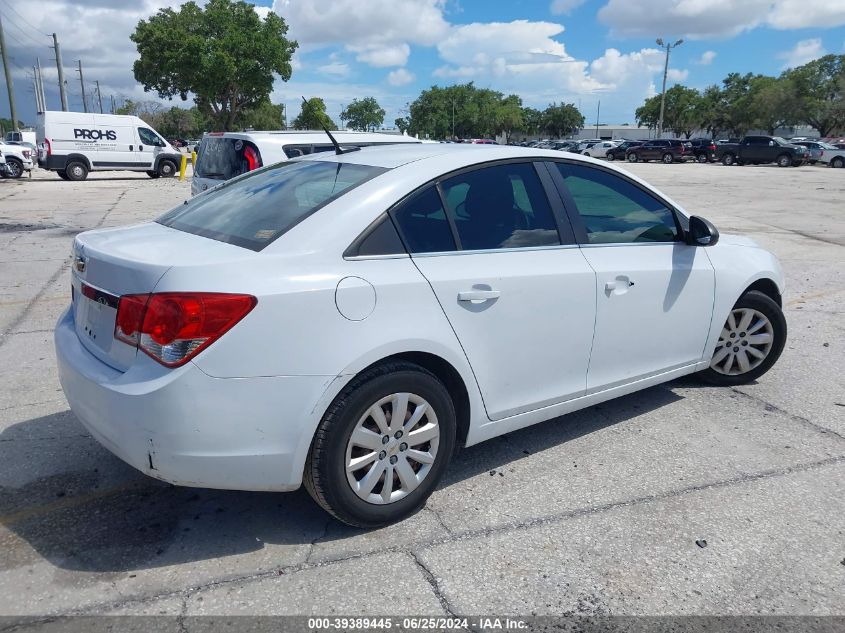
[
  {"x": 153, "y": 174},
  {"x": 632, "y": 157},
  {"x": 784, "y": 160},
  {"x": 838, "y": 162},
  {"x": 76, "y": 170},
  {"x": 766, "y": 305},
  {"x": 668, "y": 159},
  {"x": 728, "y": 160},
  {"x": 325, "y": 470},
  {"x": 62, "y": 174},
  {"x": 702, "y": 158},
  {"x": 14, "y": 167},
  {"x": 167, "y": 168},
  {"x": 610, "y": 156}
]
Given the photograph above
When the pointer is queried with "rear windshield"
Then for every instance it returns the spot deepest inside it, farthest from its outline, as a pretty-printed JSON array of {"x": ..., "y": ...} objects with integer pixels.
[
  {"x": 222, "y": 158},
  {"x": 254, "y": 210}
]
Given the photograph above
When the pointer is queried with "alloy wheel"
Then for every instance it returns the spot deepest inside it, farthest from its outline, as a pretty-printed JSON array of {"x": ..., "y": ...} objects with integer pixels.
[
  {"x": 392, "y": 448},
  {"x": 744, "y": 343}
]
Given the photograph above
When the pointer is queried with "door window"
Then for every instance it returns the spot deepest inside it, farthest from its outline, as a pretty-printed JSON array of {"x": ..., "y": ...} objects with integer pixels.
[
  {"x": 503, "y": 206},
  {"x": 423, "y": 223},
  {"x": 615, "y": 211},
  {"x": 148, "y": 137}
]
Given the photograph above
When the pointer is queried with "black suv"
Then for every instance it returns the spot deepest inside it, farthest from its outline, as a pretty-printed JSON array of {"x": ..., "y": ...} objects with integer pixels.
[
  {"x": 618, "y": 152},
  {"x": 704, "y": 149},
  {"x": 666, "y": 150}
]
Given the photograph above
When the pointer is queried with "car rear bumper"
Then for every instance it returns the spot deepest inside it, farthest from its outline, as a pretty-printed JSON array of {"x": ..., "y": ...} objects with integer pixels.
[{"x": 190, "y": 429}]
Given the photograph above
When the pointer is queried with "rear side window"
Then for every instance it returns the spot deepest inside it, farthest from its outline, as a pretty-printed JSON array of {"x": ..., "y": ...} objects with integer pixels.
[
  {"x": 503, "y": 206},
  {"x": 255, "y": 210},
  {"x": 423, "y": 223},
  {"x": 382, "y": 239},
  {"x": 222, "y": 158}
]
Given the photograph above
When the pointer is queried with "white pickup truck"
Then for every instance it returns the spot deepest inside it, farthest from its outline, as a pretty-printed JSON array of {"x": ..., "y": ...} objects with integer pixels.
[
  {"x": 832, "y": 156},
  {"x": 18, "y": 159}
]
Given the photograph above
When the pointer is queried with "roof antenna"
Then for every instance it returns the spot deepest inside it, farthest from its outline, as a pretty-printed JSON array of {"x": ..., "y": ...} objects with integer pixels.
[{"x": 337, "y": 148}]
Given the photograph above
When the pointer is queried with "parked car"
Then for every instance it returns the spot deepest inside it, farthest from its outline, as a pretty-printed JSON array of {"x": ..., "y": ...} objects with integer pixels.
[
  {"x": 814, "y": 147},
  {"x": 832, "y": 156},
  {"x": 704, "y": 149},
  {"x": 618, "y": 152},
  {"x": 224, "y": 155},
  {"x": 19, "y": 159},
  {"x": 666, "y": 150},
  {"x": 600, "y": 149},
  {"x": 564, "y": 146},
  {"x": 755, "y": 150},
  {"x": 329, "y": 320}
]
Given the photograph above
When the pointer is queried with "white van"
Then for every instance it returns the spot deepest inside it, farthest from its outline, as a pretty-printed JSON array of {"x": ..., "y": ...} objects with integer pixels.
[
  {"x": 224, "y": 155},
  {"x": 75, "y": 143}
]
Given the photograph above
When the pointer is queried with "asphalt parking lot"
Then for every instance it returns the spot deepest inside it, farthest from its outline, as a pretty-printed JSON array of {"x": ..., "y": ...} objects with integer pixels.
[{"x": 595, "y": 513}]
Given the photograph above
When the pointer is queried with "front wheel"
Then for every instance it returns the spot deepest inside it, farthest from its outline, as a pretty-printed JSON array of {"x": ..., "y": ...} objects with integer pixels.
[
  {"x": 728, "y": 160},
  {"x": 382, "y": 446},
  {"x": 784, "y": 161},
  {"x": 838, "y": 162},
  {"x": 702, "y": 158},
  {"x": 14, "y": 168},
  {"x": 751, "y": 341},
  {"x": 167, "y": 169}
]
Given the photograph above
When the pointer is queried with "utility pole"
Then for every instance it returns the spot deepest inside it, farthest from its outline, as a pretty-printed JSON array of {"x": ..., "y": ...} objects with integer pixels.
[
  {"x": 112, "y": 104},
  {"x": 99, "y": 96},
  {"x": 40, "y": 85},
  {"x": 668, "y": 48},
  {"x": 453, "y": 119},
  {"x": 61, "y": 71},
  {"x": 82, "y": 83},
  {"x": 598, "y": 112},
  {"x": 9, "y": 86}
]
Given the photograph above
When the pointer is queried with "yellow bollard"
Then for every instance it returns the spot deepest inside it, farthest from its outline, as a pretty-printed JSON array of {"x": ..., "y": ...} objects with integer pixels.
[
  {"x": 183, "y": 167},
  {"x": 193, "y": 160}
]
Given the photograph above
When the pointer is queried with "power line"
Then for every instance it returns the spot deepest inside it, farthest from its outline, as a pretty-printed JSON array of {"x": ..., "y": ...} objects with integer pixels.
[
  {"x": 24, "y": 33},
  {"x": 32, "y": 26}
]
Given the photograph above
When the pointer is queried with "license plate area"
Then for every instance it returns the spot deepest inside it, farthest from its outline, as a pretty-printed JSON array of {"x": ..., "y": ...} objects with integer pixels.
[{"x": 95, "y": 311}]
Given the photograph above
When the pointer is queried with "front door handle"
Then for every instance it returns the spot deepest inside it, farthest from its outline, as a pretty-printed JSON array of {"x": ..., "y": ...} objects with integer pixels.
[
  {"x": 130, "y": 147},
  {"x": 620, "y": 284},
  {"x": 478, "y": 295}
]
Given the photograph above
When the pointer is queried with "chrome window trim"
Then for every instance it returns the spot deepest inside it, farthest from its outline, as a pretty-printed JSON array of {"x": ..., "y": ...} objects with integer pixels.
[{"x": 524, "y": 249}]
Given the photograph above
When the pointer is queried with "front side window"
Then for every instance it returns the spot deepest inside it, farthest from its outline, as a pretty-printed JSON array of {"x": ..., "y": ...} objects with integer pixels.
[
  {"x": 503, "y": 206},
  {"x": 148, "y": 137},
  {"x": 423, "y": 223},
  {"x": 255, "y": 209},
  {"x": 615, "y": 211}
]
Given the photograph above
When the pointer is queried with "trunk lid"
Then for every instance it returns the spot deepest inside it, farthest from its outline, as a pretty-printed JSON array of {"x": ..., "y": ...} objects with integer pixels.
[{"x": 109, "y": 263}]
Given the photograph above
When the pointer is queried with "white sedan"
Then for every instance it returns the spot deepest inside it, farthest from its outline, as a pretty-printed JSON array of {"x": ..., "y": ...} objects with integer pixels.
[
  {"x": 599, "y": 150},
  {"x": 345, "y": 320}
]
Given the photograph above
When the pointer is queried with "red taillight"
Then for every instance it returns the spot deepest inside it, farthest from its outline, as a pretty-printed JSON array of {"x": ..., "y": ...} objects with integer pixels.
[
  {"x": 49, "y": 146},
  {"x": 173, "y": 327},
  {"x": 712, "y": 148},
  {"x": 252, "y": 158}
]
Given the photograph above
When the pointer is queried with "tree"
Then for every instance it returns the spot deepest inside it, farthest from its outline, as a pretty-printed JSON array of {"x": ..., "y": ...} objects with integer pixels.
[
  {"x": 532, "y": 121},
  {"x": 224, "y": 54},
  {"x": 709, "y": 111},
  {"x": 313, "y": 116},
  {"x": 680, "y": 111},
  {"x": 562, "y": 120},
  {"x": 819, "y": 88},
  {"x": 648, "y": 114},
  {"x": 772, "y": 103},
  {"x": 364, "y": 114},
  {"x": 264, "y": 116},
  {"x": 402, "y": 123},
  {"x": 509, "y": 115}
]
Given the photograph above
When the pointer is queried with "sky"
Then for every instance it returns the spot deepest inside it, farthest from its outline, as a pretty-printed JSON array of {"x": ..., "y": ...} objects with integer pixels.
[{"x": 588, "y": 52}]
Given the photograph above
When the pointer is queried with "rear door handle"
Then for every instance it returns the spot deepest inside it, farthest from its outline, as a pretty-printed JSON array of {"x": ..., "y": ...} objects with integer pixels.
[{"x": 478, "y": 295}]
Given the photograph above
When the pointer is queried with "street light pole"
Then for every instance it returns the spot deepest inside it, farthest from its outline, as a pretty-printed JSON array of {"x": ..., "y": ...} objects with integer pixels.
[{"x": 668, "y": 48}]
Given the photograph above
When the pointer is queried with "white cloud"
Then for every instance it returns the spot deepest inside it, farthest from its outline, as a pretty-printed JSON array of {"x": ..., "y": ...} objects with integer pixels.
[
  {"x": 707, "y": 58},
  {"x": 334, "y": 69},
  {"x": 382, "y": 56},
  {"x": 677, "y": 75},
  {"x": 564, "y": 7},
  {"x": 699, "y": 19},
  {"x": 400, "y": 77},
  {"x": 803, "y": 52},
  {"x": 799, "y": 14}
]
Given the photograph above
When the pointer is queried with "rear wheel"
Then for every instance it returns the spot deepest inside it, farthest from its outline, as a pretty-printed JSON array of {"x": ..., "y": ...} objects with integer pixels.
[
  {"x": 382, "y": 446},
  {"x": 667, "y": 158},
  {"x": 610, "y": 156},
  {"x": 76, "y": 170},
  {"x": 632, "y": 157},
  {"x": 784, "y": 160},
  {"x": 702, "y": 158},
  {"x": 751, "y": 341}
]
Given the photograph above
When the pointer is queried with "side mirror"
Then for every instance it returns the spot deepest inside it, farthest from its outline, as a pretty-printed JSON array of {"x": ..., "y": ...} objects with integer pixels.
[{"x": 701, "y": 232}]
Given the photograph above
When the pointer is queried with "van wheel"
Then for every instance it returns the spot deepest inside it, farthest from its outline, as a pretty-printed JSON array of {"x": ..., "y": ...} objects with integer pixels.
[
  {"x": 752, "y": 340},
  {"x": 382, "y": 446},
  {"x": 62, "y": 174},
  {"x": 76, "y": 170},
  {"x": 153, "y": 174},
  {"x": 14, "y": 168},
  {"x": 167, "y": 169}
]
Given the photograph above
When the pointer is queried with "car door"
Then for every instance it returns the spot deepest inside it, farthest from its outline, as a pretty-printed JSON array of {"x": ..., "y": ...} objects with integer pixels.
[
  {"x": 514, "y": 286},
  {"x": 149, "y": 146},
  {"x": 654, "y": 292}
]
